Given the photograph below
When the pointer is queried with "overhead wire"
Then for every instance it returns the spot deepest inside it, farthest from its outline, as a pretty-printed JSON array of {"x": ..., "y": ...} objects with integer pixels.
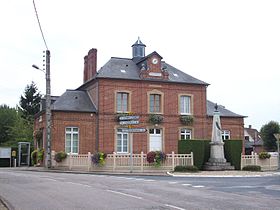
[{"x": 40, "y": 25}]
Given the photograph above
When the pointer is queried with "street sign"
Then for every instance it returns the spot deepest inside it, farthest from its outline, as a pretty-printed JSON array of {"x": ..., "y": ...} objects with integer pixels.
[
  {"x": 133, "y": 130},
  {"x": 129, "y": 118},
  {"x": 131, "y": 122}
]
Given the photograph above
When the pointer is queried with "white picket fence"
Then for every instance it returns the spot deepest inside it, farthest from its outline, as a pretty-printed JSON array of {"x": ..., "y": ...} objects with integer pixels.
[
  {"x": 266, "y": 164},
  {"x": 122, "y": 162}
]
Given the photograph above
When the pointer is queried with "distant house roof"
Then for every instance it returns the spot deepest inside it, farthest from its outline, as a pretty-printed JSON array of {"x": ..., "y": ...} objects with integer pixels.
[
  {"x": 223, "y": 111},
  {"x": 74, "y": 100},
  {"x": 125, "y": 68}
]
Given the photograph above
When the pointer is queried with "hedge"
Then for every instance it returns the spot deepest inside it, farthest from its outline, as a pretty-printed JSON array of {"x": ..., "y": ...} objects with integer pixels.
[
  {"x": 201, "y": 151},
  {"x": 233, "y": 150}
]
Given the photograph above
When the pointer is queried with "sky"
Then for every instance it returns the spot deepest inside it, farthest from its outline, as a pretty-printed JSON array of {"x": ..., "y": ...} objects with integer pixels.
[{"x": 232, "y": 45}]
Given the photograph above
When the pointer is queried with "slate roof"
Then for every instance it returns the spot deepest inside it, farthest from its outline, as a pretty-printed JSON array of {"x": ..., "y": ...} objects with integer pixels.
[
  {"x": 74, "y": 100},
  {"x": 125, "y": 68},
  {"x": 223, "y": 111}
]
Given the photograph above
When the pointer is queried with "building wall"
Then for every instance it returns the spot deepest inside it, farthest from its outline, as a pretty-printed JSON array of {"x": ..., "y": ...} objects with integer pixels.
[
  {"x": 86, "y": 122},
  {"x": 139, "y": 106}
]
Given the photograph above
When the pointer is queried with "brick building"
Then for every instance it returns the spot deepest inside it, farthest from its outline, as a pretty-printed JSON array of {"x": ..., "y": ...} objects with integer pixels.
[{"x": 171, "y": 106}]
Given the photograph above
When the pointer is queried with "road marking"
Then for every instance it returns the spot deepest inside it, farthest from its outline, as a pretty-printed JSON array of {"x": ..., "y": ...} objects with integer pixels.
[
  {"x": 84, "y": 185},
  {"x": 198, "y": 186},
  {"x": 172, "y": 182},
  {"x": 149, "y": 180},
  {"x": 174, "y": 207},
  {"x": 186, "y": 184},
  {"x": 128, "y": 195}
]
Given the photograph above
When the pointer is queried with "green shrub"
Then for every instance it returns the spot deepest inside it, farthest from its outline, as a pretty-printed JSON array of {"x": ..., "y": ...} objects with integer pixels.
[
  {"x": 34, "y": 155},
  {"x": 233, "y": 150},
  {"x": 60, "y": 156},
  {"x": 264, "y": 155},
  {"x": 200, "y": 149},
  {"x": 251, "y": 168},
  {"x": 186, "y": 169}
]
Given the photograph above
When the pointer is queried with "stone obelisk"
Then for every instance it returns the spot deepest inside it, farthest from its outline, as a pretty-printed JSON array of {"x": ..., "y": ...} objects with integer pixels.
[{"x": 217, "y": 160}]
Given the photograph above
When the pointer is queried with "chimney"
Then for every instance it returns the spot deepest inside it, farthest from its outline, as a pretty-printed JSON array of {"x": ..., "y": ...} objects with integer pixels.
[
  {"x": 90, "y": 64},
  {"x": 250, "y": 126}
]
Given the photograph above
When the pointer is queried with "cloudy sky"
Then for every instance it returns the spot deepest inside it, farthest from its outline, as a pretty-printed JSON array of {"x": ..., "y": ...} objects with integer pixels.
[{"x": 233, "y": 45}]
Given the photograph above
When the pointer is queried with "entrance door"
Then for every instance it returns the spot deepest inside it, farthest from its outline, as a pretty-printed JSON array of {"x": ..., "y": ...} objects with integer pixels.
[{"x": 155, "y": 139}]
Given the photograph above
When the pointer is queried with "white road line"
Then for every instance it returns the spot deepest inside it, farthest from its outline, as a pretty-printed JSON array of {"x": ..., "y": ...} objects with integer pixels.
[
  {"x": 149, "y": 180},
  {"x": 84, "y": 185},
  {"x": 174, "y": 207},
  {"x": 128, "y": 195},
  {"x": 198, "y": 186},
  {"x": 172, "y": 182},
  {"x": 186, "y": 184}
]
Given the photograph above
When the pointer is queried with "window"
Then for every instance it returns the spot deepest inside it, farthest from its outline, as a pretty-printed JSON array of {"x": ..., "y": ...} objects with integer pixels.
[
  {"x": 155, "y": 103},
  {"x": 122, "y": 102},
  {"x": 72, "y": 140},
  {"x": 122, "y": 141},
  {"x": 186, "y": 134},
  {"x": 185, "y": 104},
  {"x": 225, "y": 135}
]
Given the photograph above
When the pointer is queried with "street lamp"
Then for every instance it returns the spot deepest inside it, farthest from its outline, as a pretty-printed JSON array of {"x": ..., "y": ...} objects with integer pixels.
[
  {"x": 277, "y": 136},
  {"x": 48, "y": 162}
]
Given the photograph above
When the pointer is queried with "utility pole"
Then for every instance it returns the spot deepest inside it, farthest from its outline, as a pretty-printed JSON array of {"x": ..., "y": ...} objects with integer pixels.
[{"x": 48, "y": 161}]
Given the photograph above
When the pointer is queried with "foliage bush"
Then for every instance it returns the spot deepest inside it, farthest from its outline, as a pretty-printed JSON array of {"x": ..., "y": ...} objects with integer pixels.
[
  {"x": 40, "y": 155},
  {"x": 200, "y": 149},
  {"x": 186, "y": 119},
  {"x": 155, "y": 118},
  {"x": 99, "y": 158},
  {"x": 34, "y": 157},
  {"x": 233, "y": 150},
  {"x": 156, "y": 157},
  {"x": 60, "y": 156},
  {"x": 251, "y": 168},
  {"x": 186, "y": 169},
  {"x": 264, "y": 155}
]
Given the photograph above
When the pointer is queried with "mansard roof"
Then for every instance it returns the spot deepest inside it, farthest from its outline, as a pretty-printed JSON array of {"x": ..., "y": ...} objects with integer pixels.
[
  {"x": 74, "y": 101},
  {"x": 125, "y": 68}
]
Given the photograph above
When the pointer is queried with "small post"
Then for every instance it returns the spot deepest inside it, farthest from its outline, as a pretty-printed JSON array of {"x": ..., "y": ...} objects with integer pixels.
[
  {"x": 241, "y": 162},
  {"x": 52, "y": 158},
  {"x": 142, "y": 161},
  {"x": 256, "y": 159},
  {"x": 70, "y": 161},
  {"x": 192, "y": 158},
  {"x": 173, "y": 160},
  {"x": 114, "y": 161},
  {"x": 89, "y": 161}
]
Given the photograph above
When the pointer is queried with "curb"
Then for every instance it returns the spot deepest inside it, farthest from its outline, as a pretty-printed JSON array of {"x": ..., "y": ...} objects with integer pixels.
[
  {"x": 6, "y": 204},
  {"x": 225, "y": 175}
]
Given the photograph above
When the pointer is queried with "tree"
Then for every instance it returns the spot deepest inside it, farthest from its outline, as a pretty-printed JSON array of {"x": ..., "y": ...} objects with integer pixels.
[
  {"x": 8, "y": 117},
  {"x": 267, "y": 132},
  {"x": 30, "y": 102}
]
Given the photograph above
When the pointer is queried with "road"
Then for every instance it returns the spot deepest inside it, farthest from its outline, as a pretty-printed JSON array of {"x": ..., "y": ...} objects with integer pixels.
[{"x": 27, "y": 190}]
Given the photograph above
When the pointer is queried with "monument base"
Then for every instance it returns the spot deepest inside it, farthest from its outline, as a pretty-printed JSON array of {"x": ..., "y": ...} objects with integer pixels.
[
  {"x": 217, "y": 161},
  {"x": 217, "y": 166}
]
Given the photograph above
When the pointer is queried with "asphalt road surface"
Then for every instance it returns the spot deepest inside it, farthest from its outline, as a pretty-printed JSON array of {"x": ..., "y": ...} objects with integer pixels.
[{"x": 27, "y": 190}]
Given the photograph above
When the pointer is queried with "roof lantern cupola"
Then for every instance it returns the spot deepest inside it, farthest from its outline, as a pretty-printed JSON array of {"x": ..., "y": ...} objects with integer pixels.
[{"x": 138, "y": 49}]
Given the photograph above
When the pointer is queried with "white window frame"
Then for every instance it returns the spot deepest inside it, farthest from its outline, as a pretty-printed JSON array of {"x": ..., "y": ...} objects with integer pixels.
[
  {"x": 225, "y": 135},
  {"x": 119, "y": 132},
  {"x": 155, "y": 103},
  {"x": 72, "y": 133},
  {"x": 185, "y": 132},
  {"x": 186, "y": 108}
]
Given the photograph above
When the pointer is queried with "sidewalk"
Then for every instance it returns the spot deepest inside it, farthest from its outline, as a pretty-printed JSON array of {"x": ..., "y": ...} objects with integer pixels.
[{"x": 231, "y": 173}]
